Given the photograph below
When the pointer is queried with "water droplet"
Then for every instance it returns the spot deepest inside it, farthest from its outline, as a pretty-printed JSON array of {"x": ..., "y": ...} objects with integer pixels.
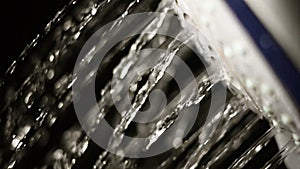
[
  {"x": 27, "y": 98},
  {"x": 58, "y": 154},
  {"x": 52, "y": 121},
  {"x": 258, "y": 148},
  {"x": 94, "y": 11},
  {"x": 51, "y": 58},
  {"x": 67, "y": 25},
  {"x": 12, "y": 164},
  {"x": 50, "y": 74},
  {"x": 133, "y": 87},
  {"x": 177, "y": 142},
  {"x": 60, "y": 105},
  {"x": 76, "y": 36},
  {"x": 15, "y": 142}
]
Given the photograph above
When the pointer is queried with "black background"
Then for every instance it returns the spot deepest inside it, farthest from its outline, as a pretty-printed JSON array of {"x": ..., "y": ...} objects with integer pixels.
[{"x": 21, "y": 21}]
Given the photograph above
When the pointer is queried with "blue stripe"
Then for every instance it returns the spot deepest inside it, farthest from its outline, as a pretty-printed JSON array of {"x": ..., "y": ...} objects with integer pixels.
[{"x": 273, "y": 53}]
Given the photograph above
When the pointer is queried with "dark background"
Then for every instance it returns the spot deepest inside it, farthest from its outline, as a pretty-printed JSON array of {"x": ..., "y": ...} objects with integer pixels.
[{"x": 21, "y": 21}]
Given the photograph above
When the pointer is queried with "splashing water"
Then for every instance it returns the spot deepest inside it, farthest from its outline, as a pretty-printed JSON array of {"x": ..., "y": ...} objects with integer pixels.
[{"x": 40, "y": 129}]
